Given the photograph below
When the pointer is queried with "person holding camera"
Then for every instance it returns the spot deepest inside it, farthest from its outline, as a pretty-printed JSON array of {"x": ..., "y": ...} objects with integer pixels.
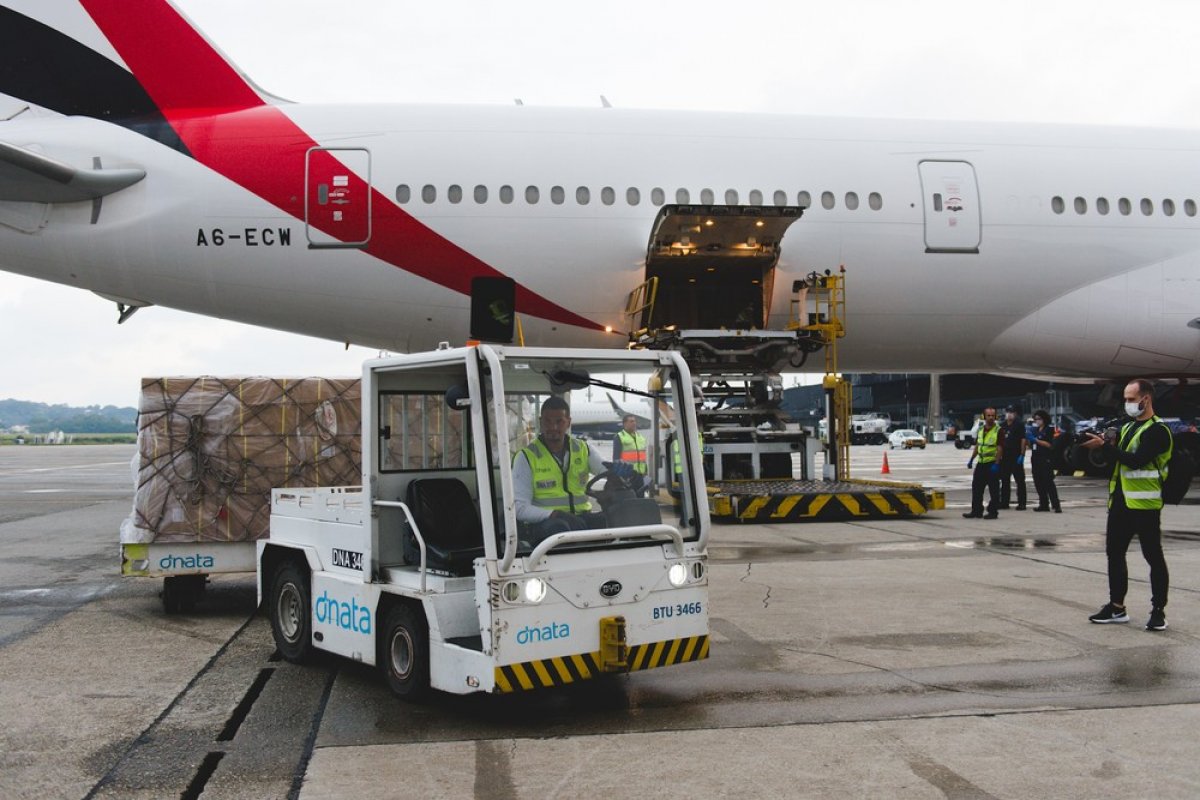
[
  {"x": 1142, "y": 449},
  {"x": 989, "y": 449}
]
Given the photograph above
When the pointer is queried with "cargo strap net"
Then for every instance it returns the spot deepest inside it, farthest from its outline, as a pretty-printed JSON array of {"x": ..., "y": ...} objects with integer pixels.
[{"x": 210, "y": 450}]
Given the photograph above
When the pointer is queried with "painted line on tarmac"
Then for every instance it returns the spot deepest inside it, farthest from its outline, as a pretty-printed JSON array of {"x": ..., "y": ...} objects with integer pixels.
[{"x": 6, "y": 473}]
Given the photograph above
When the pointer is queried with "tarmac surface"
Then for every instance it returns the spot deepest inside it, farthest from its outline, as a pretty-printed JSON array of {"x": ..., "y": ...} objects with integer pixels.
[{"x": 931, "y": 657}]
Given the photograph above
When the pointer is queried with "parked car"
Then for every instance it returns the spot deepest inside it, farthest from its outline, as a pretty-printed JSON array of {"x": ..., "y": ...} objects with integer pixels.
[{"x": 906, "y": 439}]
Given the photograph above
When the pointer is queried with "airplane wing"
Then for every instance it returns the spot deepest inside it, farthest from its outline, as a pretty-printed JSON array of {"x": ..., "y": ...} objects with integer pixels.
[{"x": 29, "y": 177}]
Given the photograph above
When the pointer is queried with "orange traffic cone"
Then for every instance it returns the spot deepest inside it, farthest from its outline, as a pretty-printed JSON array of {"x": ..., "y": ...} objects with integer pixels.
[{"x": 885, "y": 470}]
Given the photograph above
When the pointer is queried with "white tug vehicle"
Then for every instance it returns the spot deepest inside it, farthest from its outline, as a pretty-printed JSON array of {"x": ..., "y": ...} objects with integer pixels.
[{"x": 425, "y": 570}]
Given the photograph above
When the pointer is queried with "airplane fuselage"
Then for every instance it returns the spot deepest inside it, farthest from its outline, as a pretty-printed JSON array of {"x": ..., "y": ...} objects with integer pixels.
[{"x": 1025, "y": 274}]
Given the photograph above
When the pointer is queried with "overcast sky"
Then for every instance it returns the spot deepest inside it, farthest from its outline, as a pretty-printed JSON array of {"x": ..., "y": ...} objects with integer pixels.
[{"x": 1085, "y": 62}]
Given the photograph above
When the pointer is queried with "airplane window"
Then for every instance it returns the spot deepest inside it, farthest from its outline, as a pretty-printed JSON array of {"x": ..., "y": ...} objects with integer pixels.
[
  {"x": 506, "y": 194},
  {"x": 583, "y": 196},
  {"x": 804, "y": 199},
  {"x": 633, "y": 196},
  {"x": 531, "y": 195},
  {"x": 755, "y": 197},
  {"x": 557, "y": 195},
  {"x": 1147, "y": 206},
  {"x": 852, "y": 201},
  {"x": 780, "y": 198},
  {"x": 1189, "y": 207},
  {"x": 1080, "y": 205},
  {"x": 481, "y": 194},
  {"x": 875, "y": 201},
  {"x": 1169, "y": 207},
  {"x": 403, "y": 193},
  {"x": 1102, "y": 205},
  {"x": 429, "y": 193},
  {"x": 682, "y": 197},
  {"x": 827, "y": 200},
  {"x": 454, "y": 193},
  {"x": 1058, "y": 204},
  {"x": 1124, "y": 206},
  {"x": 731, "y": 198},
  {"x": 706, "y": 196},
  {"x": 657, "y": 196},
  {"x": 608, "y": 196}
]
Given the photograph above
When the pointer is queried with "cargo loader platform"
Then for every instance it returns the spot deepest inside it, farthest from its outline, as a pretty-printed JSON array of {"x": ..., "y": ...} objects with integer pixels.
[{"x": 767, "y": 501}]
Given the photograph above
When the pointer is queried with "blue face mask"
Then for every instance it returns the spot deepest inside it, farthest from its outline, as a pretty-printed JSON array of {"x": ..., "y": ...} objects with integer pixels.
[{"x": 1133, "y": 409}]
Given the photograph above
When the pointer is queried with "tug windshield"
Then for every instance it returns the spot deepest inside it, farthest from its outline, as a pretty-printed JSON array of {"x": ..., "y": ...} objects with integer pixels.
[{"x": 593, "y": 445}]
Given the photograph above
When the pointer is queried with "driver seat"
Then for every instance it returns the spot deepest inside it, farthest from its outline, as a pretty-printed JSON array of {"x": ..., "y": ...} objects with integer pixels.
[{"x": 445, "y": 513}]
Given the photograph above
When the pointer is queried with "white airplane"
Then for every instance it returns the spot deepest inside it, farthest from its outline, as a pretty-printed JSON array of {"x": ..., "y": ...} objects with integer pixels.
[
  {"x": 138, "y": 163},
  {"x": 598, "y": 413}
]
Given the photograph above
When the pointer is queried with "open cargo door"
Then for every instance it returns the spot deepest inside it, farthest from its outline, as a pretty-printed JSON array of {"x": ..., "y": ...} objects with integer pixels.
[{"x": 714, "y": 266}]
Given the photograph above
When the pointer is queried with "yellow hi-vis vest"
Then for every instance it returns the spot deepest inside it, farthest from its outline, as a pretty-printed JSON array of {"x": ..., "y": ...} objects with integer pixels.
[
  {"x": 1142, "y": 487},
  {"x": 677, "y": 457},
  {"x": 633, "y": 450},
  {"x": 987, "y": 444},
  {"x": 549, "y": 491}
]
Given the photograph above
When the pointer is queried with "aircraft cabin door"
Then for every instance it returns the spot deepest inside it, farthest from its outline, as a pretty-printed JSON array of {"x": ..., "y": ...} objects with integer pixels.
[
  {"x": 951, "y": 198},
  {"x": 337, "y": 197}
]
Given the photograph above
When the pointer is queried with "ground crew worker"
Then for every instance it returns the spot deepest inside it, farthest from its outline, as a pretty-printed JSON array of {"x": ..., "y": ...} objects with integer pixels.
[
  {"x": 550, "y": 475},
  {"x": 629, "y": 447},
  {"x": 1012, "y": 466},
  {"x": 989, "y": 450},
  {"x": 1142, "y": 450}
]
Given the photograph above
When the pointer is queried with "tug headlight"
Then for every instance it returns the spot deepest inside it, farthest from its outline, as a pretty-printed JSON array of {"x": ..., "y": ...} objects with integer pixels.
[
  {"x": 527, "y": 591},
  {"x": 677, "y": 575},
  {"x": 535, "y": 590}
]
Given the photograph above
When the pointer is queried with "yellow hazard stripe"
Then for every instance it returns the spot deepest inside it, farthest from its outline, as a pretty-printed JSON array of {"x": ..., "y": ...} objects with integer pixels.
[
  {"x": 822, "y": 506},
  {"x": 559, "y": 671},
  {"x": 668, "y": 653}
]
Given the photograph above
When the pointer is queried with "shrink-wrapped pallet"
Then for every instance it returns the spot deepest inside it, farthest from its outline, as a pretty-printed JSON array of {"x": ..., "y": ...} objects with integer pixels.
[{"x": 210, "y": 450}]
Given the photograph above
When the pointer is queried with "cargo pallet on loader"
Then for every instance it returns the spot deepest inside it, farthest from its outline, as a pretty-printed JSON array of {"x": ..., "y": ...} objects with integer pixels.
[{"x": 426, "y": 570}]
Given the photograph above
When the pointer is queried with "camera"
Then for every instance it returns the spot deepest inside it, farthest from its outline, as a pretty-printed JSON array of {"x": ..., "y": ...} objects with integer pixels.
[{"x": 1109, "y": 429}]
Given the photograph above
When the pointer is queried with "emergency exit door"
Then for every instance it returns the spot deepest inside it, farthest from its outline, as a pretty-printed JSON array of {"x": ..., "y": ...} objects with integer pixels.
[
  {"x": 951, "y": 198},
  {"x": 337, "y": 200}
]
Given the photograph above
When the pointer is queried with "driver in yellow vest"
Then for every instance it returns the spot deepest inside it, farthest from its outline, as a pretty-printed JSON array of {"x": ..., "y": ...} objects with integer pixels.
[{"x": 550, "y": 475}]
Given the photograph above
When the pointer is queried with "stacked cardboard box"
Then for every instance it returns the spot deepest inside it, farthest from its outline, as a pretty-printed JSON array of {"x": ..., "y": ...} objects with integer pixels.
[{"x": 210, "y": 450}]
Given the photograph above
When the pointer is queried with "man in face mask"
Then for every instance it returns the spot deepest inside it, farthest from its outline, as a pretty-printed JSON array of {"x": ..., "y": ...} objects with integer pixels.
[
  {"x": 1141, "y": 451},
  {"x": 1012, "y": 467}
]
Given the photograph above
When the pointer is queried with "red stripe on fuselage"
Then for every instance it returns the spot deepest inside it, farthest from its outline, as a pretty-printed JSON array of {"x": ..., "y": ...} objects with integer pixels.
[{"x": 230, "y": 129}]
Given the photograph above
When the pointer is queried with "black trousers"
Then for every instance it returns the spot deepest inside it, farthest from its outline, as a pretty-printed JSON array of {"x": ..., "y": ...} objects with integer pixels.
[
  {"x": 1010, "y": 470},
  {"x": 983, "y": 476},
  {"x": 1043, "y": 482},
  {"x": 1123, "y": 525}
]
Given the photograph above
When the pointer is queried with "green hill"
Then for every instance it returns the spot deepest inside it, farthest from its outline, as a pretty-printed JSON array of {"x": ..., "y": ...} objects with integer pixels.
[{"x": 43, "y": 418}]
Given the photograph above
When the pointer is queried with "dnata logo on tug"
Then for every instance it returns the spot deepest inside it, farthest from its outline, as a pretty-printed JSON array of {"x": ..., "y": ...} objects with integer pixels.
[
  {"x": 555, "y": 630},
  {"x": 347, "y": 616}
]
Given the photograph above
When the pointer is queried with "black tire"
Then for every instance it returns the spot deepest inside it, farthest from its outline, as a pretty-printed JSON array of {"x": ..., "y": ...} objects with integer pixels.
[
  {"x": 1189, "y": 442},
  {"x": 1093, "y": 462},
  {"x": 290, "y": 610},
  {"x": 1060, "y": 453},
  {"x": 404, "y": 652}
]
